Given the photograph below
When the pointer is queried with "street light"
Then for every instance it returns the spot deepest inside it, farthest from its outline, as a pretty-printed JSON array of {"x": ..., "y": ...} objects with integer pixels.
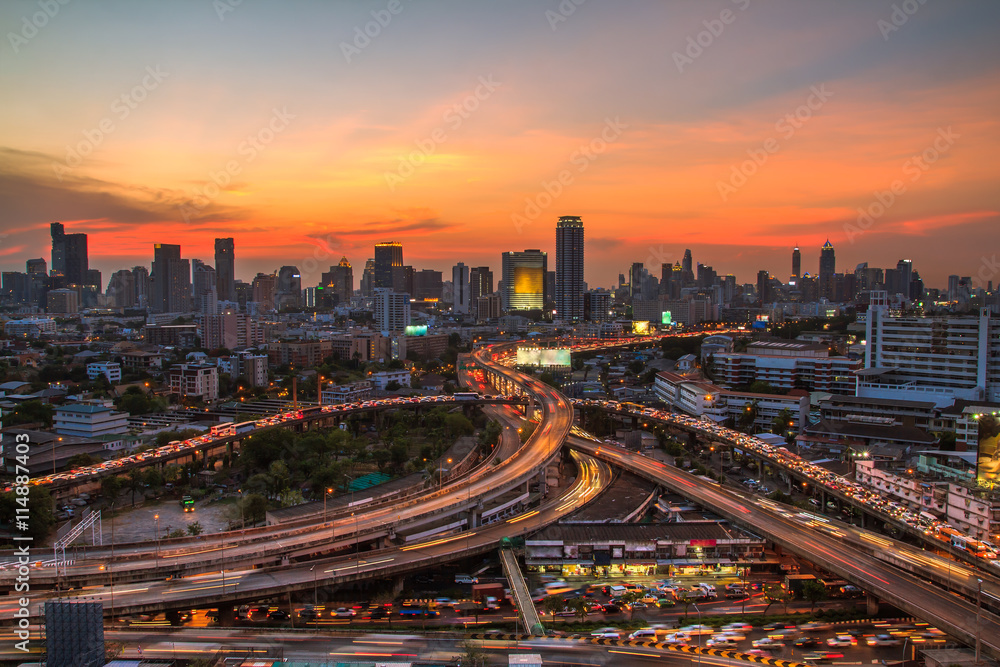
[
  {"x": 695, "y": 605},
  {"x": 315, "y": 591},
  {"x": 325, "y": 494},
  {"x": 156, "y": 517},
  {"x": 979, "y": 609}
]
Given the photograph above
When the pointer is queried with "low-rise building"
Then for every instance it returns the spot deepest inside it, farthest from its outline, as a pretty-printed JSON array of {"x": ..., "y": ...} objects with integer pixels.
[
  {"x": 88, "y": 420},
  {"x": 787, "y": 365},
  {"x": 109, "y": 369},
  {"x": 383, "y": 378},
  {"x": 47, "y": 452},
  {"x": 198, "y": 381},
  {"x": 348, "y": 393}
]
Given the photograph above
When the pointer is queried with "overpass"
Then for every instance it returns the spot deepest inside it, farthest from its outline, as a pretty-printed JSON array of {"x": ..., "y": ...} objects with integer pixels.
[
  {"x": 830, "y": 485},
  {"x": 912, "y": 594}
]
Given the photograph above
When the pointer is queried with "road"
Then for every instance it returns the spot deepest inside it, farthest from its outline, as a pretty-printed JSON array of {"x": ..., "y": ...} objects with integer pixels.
[{"x": 913, "y": 595}]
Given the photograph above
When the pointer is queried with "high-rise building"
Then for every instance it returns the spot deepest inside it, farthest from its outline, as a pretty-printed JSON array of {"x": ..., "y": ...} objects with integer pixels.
[
  {"x": 569, "y": 268},
  {"x": 288, "y": 288},
  {"x": 58, "y": 233},
  {"x": 388, "y": 254},
  {"x": 143, "y": 288},
  {"x": 121, "y": 289},
  {"x": 204, "y": 286},
  {"x": 339, "y": 281},
  {"x": 460, "y": 294},
  {"x": 402, "y": 279},
  {"x": 796, "y": 262},
  {"x": 687, "y": 266},
  {"x": 523, "y": 280},
  {"x": 427, "y": 284},
  {"x": 827, "y": 268},
  {"x": 263, "y": 287},
  {"x": 480, "y": 284},
  {"x": 635, "y": 279},
  {"x": 368, "y": 279},
  {"x": 392, "y": 310},
  {"x": 763, "y": 288},
  {"x": 225, "y": 269},
  {"x": 597, "y": 306},
  {"x": 230, "y": 330},
  {"x": 170, "y": 280}
]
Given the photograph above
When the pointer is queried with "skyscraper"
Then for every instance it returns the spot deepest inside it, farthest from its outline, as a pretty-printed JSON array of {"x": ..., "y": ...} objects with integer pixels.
[
  {"x": 460, "y": 288},
  {"x": 143, "y": 288},
  {"x": 827, "y": 268},
  {"x": 170, "y": 280},
  {"x": 204, "y": 288},
  {"x": 687, "y": 265},
  {"x": 524, "y": 280},
  {"x": 288, "y": 288},
  {"x": 339, "y": 280},
  {"x": 796, "y": 262},
  {"x": 58, "y": 233},
  {"x": 480, "y": 284},
  {"x": 69, "y": 255},
  {"x": 388, "y": 254},
  {"x": 225, "y": 269},
  {"x": 569, "y": 268},
  {"x": 392, "y": 310},
  {"x": 368, "y": 279},
  {"x": 763, "y": 288},
  {"x": 121, "y": 289}
]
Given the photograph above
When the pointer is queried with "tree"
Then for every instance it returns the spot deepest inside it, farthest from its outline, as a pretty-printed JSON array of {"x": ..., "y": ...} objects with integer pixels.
[
  {"x": 782, "y": 422},
  {"x": 392, "y": 385},
  {"x": 629, "y": 599},
  {"x": 553, "y": 604},
  {"x": 40, "y": 514},
  {"x": 580, "y": 606},
  {"x": 254, "y": 507},
  {"x": 473, "y": 656},
  {"x": 814, "y": 591},
  {"x": 776, "y": 593},
  {"x": 80, "y": 460},
  {"x": 686, "y": 599},
  {"x": 134, "y": 483},
  {"x": 195, "y": 528},
  {"x": 748, "y": 416},
  {"x": 30, "y": 412},
  {"x": 111, "y": 487}
]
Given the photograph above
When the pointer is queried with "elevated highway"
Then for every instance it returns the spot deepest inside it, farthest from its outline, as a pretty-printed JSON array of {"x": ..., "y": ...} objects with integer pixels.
[{"x": 910, "y": 593}]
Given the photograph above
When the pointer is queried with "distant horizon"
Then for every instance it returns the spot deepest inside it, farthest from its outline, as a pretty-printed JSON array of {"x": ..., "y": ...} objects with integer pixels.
[{"x": 735, "y": 128}]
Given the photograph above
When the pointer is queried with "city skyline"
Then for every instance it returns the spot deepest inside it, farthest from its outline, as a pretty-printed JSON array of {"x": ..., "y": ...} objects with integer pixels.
[{"x": 323, "y": 175}]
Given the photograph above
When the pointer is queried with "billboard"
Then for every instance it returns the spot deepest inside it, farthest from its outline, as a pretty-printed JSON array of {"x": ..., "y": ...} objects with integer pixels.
[
  {"x": 416, "y": 330},
  {"x": 641, "y": 328},
  {"x": 988, "y": 453},
  {"x": 538, "y": 356},
  {"x": 667, "y": 318},
  {"x": 74, "y": 633}
]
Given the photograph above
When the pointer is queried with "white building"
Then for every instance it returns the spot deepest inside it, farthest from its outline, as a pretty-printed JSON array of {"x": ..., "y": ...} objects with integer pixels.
[
  {"x": 347, "y": 393},
  {"x": 29, "y": 328},
  {"x": 111, "y": 370},
  {"x": 383, "y": 378},
  {"x": 200, "y": 381},
  {"x": 392, "y": 310},
  {"x": 938, "y": 359},
  {"x": 89, "y": 420}
]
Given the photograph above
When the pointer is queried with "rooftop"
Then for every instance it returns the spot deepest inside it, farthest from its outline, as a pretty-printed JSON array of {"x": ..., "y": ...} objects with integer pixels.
[{"x": 632, "y": 532}]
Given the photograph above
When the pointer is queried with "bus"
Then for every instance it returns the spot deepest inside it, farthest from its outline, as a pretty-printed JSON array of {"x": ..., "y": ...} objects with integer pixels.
[
  {"x": 223, "y": 430},
  {"x": 187, "y": 504},
  {"x": 466, "y": 396}
]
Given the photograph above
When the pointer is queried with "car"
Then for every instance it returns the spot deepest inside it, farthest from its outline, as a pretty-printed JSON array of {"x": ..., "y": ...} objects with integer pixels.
[
  {"x": 697, "y": 630},
  {"x": 279, "y": 615},
  {"x": 735, "y": 635},
  {"x": 721, "y": 642},
  {"x": 884, "y": 640},
  {"x": 377, "y": 614},
  {"x": 822, "y": 656},
  {"x": 770, "y": 627},
  {"x": 344, "y": 612},
  {"x": 806, "y": 642},
  {"x": 816, "y": 626},
  {"x": 736, "y": 594},
  {"x": 841, "y": 641},
  {"x": 665, "y": 602},
  {"x": 310, "y": 613},
  {"x": 768, "y": 643},
  {"x": 606, "y": 633},
  {"x": 678, "y": 638},
  {"x": 611, "y": 609}
]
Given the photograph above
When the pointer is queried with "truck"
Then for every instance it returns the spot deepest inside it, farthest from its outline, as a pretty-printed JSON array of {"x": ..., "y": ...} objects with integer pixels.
[
  {"x": 795, "y": 582},
  {"x": 488, "y": 595},
  {"x": 187, "y": 504}
]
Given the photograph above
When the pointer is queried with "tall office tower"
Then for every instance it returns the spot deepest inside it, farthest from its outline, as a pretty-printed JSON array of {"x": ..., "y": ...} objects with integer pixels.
[
  {"x": 38, "y": 273},
  {"x": 550, "y": 289},
  {"x": 480, "y": 284},
  {"x": 388, "y": 255},
  {"x": 204, "y": 288},
  {"x": 288, "y": 288},
  {"x": 523, "y": 280},
  {"x": 339, "y": 281},
  {"x": 827, "y": 267},
  {"x": 170, "y": 280},
  {"x": 687, "y": 265},
  {"x": 58, "y": 233},
  {"x": 796, "y": 262},
  {"x": 569, "y": 268},
  {"x": 143, "y": 288},
  {"x": 392, "y": 310},
  {"x": 763, "y": 288},
  {"x": 403, "y": 280},
  {"x": 263, "y": 287},
  {"x": 121, "y": 289},
  {"x": 35, "y": 267},
  {"x": 76, "y": 261},
  {"x": 904, "y": 269},
  {"x": 93, "y": 278},
  {"x": 892, "y": 283},
  {"x": 368, "y": 279},
  {"x": 635, "y": 280},
  {"x": 597, "y": 306},
  {"x": 706, "y": 276},
  {"x": 952, "y": 288},
  {"x": 426, "y": 284},
  {"x": 225, "y": 269},
  {"x": 460, "y": 285},
  {"x": 15, "y": 287}
]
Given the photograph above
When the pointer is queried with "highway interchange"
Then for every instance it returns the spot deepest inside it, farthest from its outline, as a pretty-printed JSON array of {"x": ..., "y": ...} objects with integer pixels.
[{"x": 910, "y": 592}]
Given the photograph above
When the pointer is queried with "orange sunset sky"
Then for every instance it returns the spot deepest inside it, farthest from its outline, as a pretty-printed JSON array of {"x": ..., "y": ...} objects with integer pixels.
[{"x": 441, "y": 128}]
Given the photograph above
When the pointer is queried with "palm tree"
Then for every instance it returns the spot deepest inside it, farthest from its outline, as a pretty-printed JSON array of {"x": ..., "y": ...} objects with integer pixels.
[{"x": 134, "y": 483}]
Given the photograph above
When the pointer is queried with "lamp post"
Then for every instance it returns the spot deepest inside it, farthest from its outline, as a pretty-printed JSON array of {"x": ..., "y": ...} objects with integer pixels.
[
  {"x": 979, "y": 609},
  {"x": 243, "y": 523},
  {"x": 325, "y": 494},
  {"x": 156, "y": 517},
  {"x": 111, "y": 579},
  {"x": 695, "y": 605},
  {"x": 315, "y": 590}
]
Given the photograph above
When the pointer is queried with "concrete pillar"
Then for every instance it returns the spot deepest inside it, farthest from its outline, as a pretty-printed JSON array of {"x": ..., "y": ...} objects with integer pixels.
[
  {"x": 397, "y": 585},
  {"x": 173, "y": 617},
  {"x": 872, "y": 603},
  {"x": 227, "y": 614}
]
